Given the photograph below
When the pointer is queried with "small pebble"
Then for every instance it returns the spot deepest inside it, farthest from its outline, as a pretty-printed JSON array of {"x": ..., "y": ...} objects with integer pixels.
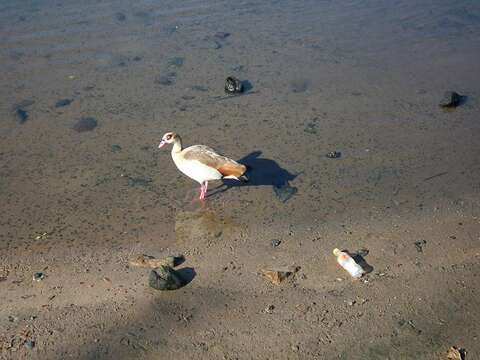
[
  {"x": 269, "y": 309},
  {"x": 334, "y": 154},
  {"x": 63, "y": 102},
  {"x": 233, "y": 85},
  {"x": 276, "y": 242},
  {"x": 38, "y": 276}
]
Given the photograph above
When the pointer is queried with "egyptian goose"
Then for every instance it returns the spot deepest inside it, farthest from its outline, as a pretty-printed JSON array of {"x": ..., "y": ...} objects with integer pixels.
[{"x": 202, "y": 164}]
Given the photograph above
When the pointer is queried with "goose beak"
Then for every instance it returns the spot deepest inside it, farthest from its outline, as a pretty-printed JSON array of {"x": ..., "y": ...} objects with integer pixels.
[{"x": 162, "y": 143}]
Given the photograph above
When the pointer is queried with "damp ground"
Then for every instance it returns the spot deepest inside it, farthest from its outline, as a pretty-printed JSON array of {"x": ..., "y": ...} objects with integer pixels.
[{"x": 87, "y": 91}]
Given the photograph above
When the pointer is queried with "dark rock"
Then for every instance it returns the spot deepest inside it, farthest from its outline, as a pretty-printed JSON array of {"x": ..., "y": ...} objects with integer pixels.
[
  {"x": 451, "y": 99},
  {"x": 419, "y": 245},
  {"x": 233, "y": 85},
  {"x": 276, "y": 242},
  {"x": 63, "y": 102},
  {"x": 164, "y": 278},
  {"x": 334, "y": 155},
  {"x": 85, "y": 124},
  {"x": 137, "y": 58},
  {"x": 38, "y": 276},
  {"x": 22, "y": 115},
  {"x": 30, "y": 344}
]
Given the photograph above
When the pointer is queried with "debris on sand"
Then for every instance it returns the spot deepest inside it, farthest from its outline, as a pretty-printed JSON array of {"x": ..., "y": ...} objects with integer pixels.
[
  {"x": 348, "y": 263},
  {"x": 63, "y": 102},
  {"x": 233, "y": 85},
  {"x": 38, "y": 276},
  {"x": 147, "y": 261},
  {"x": 276, "y": 242},
  {"x": 451, "y": 99},
  {"x": 164, "y": 278},
  {"x": 455, "y": 353},
  {"x": 419, "y": 245},
  {"x": 334, "y": 154},
  {"x": 85, "y": 124},
  {"x": 275, "y": 276}
]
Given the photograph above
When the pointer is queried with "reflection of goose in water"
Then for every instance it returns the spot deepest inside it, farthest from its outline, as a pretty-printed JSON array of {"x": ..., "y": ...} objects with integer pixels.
[{"x": 202, "y": 164}]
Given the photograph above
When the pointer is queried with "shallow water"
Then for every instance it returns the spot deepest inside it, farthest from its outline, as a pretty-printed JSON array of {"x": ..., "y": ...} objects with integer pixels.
[{"x": 359, "y": 77}]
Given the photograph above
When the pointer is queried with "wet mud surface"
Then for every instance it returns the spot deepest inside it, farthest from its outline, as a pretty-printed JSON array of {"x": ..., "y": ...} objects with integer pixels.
[{"x": 355, "y": 78}]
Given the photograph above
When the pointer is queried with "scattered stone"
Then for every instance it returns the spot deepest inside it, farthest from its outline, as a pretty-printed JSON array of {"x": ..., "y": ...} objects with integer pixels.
[
  {"x": 276, "y": 242},
  {"x": 351, "y": 302},
  {"x": 142, "y": 260},
  {"x": 30, "y": 344},
  {"x": 455, "y": 353},
  {"x": 269, "y": 309},
  {"x": 115, "y": 148},
  {"x": 419, "y": 245},
  {"x": 284, "y": 191},
  {"x": 63, "y": 102},
  {"x": 451, "y": 99},
  {"x": 233, "y": 85},
  {"x": 38, "y": 276},
  {"x": 276, "y": 277},
  {"x": 12, "y": 318},
  {"x": 334, "y": 154},
  {"x": 85, "y": 124},
  {"x": 164, "y": 278}
]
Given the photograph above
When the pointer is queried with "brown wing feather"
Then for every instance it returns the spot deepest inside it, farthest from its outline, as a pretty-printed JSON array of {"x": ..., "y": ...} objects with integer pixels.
[{"x": 209, "y": 157}]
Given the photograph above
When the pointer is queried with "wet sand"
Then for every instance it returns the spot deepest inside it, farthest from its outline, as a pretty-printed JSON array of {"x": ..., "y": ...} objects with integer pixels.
[{"x": 357, "y": 77}]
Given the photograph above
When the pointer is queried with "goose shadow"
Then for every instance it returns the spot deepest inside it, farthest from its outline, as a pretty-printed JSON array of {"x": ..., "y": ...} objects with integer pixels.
[{"x": 263, "y": 172}]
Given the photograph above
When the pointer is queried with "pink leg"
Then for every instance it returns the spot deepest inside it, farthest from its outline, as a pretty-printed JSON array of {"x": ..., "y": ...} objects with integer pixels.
[{"x": 201, "y": 191}]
